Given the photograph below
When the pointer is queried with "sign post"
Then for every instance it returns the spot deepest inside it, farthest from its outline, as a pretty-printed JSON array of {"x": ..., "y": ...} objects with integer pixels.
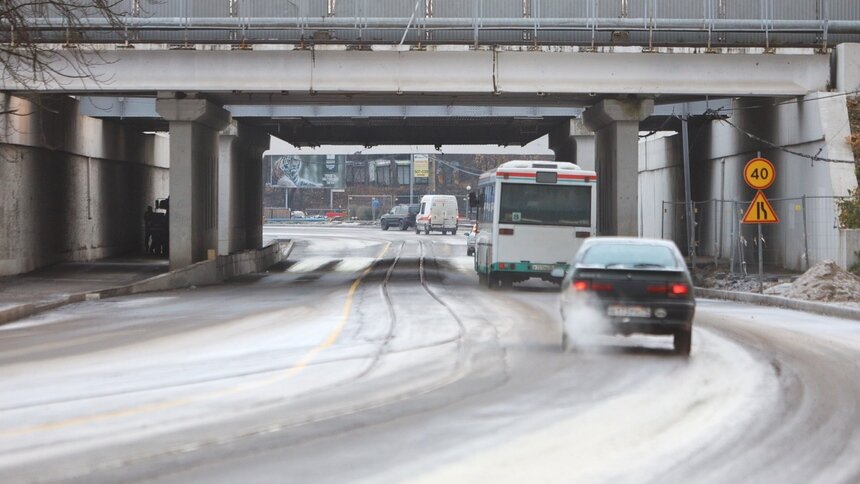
[{"x": 760, "y": 174}]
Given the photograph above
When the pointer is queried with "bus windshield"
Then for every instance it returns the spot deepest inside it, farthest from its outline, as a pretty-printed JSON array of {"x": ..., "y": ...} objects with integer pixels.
[{"x": 545, "y": 205}]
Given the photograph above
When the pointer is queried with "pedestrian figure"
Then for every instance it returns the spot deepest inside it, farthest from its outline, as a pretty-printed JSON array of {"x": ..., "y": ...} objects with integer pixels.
[{"x": 147, "y": 229}]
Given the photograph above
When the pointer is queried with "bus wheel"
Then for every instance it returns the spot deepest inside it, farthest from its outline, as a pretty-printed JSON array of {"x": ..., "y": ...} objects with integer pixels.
[
  {"x": 482, "y": 279},
  {"x": 507, "y": 282}
]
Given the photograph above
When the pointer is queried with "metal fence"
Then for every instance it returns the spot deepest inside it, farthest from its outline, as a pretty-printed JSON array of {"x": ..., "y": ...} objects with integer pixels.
[
  {"x": 807, "y": 232},
  {"x": 361, "y": 207},
  {"x": 765, "y": 23}
]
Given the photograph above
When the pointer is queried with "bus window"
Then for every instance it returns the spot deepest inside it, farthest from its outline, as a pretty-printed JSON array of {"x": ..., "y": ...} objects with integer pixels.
[{"x": 545, "y": 205}]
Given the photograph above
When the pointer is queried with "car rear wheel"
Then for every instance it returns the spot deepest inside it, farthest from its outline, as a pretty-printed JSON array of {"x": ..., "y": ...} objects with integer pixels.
[
  {"x": 403, "y": 225},
  {"x": 683, "y": 341}
]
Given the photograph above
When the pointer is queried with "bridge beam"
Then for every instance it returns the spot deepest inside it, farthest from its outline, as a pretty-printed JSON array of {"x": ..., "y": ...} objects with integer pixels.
[
  {"x": 194, "y": 128},
  {"x": 616, "y": 127}
]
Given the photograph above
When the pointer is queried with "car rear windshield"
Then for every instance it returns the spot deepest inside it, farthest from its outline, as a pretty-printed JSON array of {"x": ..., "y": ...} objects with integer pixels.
[
  {"x": 545, "y": 205},
  {"x": 630, "y": 255}
]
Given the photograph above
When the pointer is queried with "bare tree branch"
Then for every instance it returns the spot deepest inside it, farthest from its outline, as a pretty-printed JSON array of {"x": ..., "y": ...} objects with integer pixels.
[{"x": 35, "y": 58}]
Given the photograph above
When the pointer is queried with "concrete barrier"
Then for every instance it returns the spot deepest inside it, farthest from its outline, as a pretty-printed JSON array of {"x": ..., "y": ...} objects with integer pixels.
[
  {"x": 200, "y": 274},
  {"x": 781, "y": 302}
]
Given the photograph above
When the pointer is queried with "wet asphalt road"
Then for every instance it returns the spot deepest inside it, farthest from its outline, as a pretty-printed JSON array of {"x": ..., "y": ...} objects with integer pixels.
[{"x": 374, "y": 356}]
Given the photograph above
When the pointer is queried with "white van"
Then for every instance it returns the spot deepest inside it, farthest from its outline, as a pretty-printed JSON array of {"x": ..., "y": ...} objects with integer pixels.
[{"x": 437, "y": 212}]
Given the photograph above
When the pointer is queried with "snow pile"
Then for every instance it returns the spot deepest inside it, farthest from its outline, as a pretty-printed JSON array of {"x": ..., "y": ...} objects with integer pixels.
[{"x": 826, "y": 282}]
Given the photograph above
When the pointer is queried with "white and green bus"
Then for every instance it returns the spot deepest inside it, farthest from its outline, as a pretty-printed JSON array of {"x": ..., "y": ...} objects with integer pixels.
[{"x": 532, "y": 218}]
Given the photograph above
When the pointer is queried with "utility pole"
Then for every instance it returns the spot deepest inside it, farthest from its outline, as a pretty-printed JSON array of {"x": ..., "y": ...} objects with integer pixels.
[
  {"x": 411, "y": 178},
  {"x": 688, "y": 203}
]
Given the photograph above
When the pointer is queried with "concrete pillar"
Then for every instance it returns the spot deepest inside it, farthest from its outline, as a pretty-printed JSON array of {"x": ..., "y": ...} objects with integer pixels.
[
  {"x": 254, "y": 145},
  {"x": 616, "y": 127},
  {"x": 194, "y": 128},
  {"x": 573, "y": 142},
  {"x": 240, "y": 191}
]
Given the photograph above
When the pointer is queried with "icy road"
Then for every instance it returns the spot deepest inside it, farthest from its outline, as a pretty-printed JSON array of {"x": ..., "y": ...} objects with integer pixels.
[{"x": 375, "y": 357}]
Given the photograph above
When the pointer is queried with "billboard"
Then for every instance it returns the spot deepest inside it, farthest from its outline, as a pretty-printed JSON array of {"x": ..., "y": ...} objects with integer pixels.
[
  {"x": 307, "y": 171},
  {"x": 420, "y": 168}
]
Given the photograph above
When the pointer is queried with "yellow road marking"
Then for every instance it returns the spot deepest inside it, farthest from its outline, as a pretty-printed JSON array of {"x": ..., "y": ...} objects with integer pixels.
[{"x": 167, "y": 404}]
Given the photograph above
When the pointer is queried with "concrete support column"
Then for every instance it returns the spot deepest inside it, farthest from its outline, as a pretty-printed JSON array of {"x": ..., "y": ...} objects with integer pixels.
[
  {"x": 194, "y": 128},
  {"x": 240, "y": 193},
  {"x": 616, "y": 127},
  {"x": 254, "y": 144},
  {"x": 573, "y": 142}
]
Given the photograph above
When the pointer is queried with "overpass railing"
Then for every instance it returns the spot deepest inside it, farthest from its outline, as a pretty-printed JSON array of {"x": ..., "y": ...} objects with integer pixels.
[{"x": 588, "y": 23}]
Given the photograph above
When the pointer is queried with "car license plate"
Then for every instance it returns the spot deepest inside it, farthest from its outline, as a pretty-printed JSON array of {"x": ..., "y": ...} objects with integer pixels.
[
  {"x": 620, "y": 311},
  {"x": 541, "y": 267}
]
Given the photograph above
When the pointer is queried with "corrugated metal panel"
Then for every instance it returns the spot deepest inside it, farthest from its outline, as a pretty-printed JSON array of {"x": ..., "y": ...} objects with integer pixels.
[
  {"x": 377, "y": 8},
  {"x": 844, "y": 9},
  {"x": 794, "y": 10},
  {"x": 466, "y": 9}
]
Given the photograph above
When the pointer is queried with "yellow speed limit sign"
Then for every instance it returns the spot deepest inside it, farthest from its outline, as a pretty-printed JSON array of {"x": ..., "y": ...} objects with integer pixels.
[{"x": 759, "y": 173}]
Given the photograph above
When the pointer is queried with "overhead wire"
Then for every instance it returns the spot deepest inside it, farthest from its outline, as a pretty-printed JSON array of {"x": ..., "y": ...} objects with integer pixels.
[
  {"x": 454, "y": 167},
  {"x": 715, "y": 115},
  {"x": 797, "y": 100}
]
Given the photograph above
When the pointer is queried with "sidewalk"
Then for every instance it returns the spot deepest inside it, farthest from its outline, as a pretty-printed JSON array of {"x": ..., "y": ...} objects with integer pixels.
[{"x": 59, "y": 284}]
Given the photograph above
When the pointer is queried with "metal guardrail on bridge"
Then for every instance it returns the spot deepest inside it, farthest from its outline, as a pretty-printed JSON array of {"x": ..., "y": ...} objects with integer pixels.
[{"x": 716, "y": 23}]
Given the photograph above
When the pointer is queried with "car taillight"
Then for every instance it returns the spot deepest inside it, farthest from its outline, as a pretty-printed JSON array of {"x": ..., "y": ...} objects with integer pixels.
[
  {"x": 671, "y": 288},
  {"x": 506, "y": 231},
  {"x": 582, "y": 285},
  {"x": 601, "y": 286}
]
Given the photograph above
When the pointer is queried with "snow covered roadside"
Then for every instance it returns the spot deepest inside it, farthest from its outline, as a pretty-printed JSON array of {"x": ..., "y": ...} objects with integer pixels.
[
  {"x": 824, "y": 289},
  {"x": 824, "y": 309}
]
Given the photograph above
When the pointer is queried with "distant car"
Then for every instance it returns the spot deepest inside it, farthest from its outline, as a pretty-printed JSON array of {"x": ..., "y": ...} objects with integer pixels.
[
  {"x": 638, "y": 285},
  {"x": 401, "y": 216},
  {"x": 437, "y": 213},
  {"x": 297, "y": 215},
  {"x": 470, "y": 241}
]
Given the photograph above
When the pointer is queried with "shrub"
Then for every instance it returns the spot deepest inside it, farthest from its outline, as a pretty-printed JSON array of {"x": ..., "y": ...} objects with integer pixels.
[{"x": 849, "y": 210}]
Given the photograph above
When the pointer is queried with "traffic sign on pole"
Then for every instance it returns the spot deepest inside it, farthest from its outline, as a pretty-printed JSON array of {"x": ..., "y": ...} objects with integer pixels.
[
  {"x": 759, "y": 173},
  {"x": 760, "y": 211}
]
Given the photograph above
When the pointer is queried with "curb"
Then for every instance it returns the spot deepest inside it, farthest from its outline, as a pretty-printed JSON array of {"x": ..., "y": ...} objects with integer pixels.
[
  {"x": 160, "y": 282},
  {"x": 781, "y": 302}
]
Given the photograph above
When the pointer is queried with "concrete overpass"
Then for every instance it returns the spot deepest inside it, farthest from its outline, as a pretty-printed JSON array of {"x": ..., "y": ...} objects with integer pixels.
[{"x": 219, "y": 100}]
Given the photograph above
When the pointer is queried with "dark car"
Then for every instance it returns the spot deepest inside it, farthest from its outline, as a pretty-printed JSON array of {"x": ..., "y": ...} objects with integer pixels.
[
  {"x": 637, "y": 285},
  {"x": 401, "y": 216}
]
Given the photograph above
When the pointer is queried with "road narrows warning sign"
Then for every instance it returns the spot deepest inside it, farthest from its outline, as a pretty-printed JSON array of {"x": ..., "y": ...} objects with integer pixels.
[{"x": 760, "y": 211}]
